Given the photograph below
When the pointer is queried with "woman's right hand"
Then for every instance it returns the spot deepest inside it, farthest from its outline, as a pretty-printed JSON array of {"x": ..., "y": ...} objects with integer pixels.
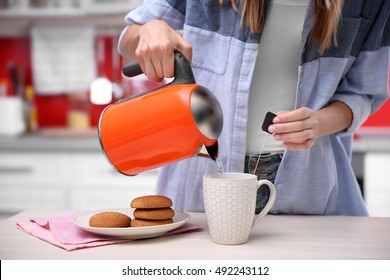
[{"x": 155, "y": 50}]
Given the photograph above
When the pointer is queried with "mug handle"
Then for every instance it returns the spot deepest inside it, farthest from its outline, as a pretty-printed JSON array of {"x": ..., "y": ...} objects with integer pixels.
[{"x": 270, "y": 202}]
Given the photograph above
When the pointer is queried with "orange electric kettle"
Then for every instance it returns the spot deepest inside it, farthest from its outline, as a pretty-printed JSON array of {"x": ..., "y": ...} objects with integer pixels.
[{"x": 160, "y": 126}]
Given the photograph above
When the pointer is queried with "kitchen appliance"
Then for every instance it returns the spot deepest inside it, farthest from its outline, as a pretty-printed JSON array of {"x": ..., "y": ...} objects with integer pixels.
[
  {"x": 163, "y": 125},
  {"x": 12, "y": 122}
]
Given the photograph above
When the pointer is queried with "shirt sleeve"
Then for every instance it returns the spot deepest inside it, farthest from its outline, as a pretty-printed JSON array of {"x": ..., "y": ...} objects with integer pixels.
[{"x": 365, "y": 88}]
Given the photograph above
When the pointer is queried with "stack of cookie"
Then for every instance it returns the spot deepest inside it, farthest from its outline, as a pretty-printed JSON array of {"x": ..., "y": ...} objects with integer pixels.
[{"x": 152, "y": 210}]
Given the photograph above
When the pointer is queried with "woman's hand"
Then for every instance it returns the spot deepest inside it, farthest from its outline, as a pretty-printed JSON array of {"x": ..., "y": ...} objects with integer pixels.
[
  {"x": 299, "y": 129},
  {"x": 155, "y": 50}
]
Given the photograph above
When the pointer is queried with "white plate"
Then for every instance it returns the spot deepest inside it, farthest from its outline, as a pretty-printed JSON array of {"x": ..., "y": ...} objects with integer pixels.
[{"x": 179, "y": 219}]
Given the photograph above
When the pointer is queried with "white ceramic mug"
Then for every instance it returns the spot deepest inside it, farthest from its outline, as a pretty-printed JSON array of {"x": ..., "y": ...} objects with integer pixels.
[{"x": 230, "y": 203}]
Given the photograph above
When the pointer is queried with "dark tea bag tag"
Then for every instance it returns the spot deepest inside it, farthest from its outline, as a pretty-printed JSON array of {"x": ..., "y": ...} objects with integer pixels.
[{"x": 267, "y": 121}]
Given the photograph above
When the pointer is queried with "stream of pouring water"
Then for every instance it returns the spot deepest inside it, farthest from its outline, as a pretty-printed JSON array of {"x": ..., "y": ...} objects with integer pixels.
[
  {"x": 213, "y": 153},
  {"x": 220, "y": 168},
  {"x": 219, "y": 163}
]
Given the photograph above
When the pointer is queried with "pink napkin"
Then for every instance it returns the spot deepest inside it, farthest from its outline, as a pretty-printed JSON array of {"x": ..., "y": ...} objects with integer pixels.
[{"x": 62, "y": 232}]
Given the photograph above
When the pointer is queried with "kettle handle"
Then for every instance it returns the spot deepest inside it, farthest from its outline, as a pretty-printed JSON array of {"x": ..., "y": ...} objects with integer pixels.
[{"x": 183, "y": 70}]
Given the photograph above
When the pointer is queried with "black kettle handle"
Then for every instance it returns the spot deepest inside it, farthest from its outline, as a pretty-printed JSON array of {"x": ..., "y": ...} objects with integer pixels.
[{"x": 183, "y": 70}]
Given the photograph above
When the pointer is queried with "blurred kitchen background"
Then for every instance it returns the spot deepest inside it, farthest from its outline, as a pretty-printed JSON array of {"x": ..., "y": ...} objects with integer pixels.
[{"x": 59, "y": 68}]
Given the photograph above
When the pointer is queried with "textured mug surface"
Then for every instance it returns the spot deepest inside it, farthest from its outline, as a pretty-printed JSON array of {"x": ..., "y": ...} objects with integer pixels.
[{"x": 230, "y": 202}]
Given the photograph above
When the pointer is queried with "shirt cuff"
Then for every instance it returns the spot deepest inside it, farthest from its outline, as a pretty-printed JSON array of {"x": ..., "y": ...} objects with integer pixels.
[{"x": 360, "y": 107}]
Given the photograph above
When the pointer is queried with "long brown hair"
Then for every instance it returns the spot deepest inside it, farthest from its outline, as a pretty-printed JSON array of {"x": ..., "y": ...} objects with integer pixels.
[{"x": 327, "y": 14}]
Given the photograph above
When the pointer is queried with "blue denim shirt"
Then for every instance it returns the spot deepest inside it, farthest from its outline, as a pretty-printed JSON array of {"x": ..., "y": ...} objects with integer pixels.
[{"x": 319, "y": 180}]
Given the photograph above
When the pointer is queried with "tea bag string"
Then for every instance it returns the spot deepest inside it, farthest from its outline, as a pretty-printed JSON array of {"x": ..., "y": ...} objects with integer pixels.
[
  {"x": 261, "y": 151},
  {"x": 268, "y": 120}
]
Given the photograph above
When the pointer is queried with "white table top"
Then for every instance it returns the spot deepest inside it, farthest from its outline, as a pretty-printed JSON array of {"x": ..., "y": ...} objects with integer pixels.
[{"x": 276, "y": 237}]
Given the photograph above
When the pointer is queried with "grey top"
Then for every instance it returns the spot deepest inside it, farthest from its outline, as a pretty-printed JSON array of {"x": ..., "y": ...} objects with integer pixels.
[{"x": 275, "y": 76}]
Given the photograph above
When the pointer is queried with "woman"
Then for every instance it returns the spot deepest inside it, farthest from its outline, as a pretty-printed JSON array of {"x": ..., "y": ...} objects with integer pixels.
[{"x": 321, "y": 65}]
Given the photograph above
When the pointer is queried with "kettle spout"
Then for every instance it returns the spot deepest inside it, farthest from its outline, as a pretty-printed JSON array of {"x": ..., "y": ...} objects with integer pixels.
[{"x": 208, "y": 151}]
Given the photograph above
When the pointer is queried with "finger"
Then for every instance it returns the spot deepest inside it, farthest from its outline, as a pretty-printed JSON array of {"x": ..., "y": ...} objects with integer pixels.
[
  {"x": 294, "y": 126},
  {"x": 168, "y": 67},
  {"x": 163, "y": 59},
  {"x": 149, "y": 59},
  {"x": 142, "y": 55},
  {"x": 156, "y": 62},
  {"x": 295, "y": 115},
  {"x": 141, "y": 63},
  {"x": 296, "y": 137},
  {"x": 150, "y": 72},
  {"x": 184, "y": 48}
]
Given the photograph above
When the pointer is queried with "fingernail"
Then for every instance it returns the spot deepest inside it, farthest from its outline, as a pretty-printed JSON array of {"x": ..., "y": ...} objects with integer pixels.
[
  {"x": 271, "y": 128},
  {"x": 277, "y": 137}
]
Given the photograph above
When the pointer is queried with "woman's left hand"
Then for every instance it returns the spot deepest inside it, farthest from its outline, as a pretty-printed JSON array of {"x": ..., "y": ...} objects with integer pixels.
[{"x": 298, "y": 129}]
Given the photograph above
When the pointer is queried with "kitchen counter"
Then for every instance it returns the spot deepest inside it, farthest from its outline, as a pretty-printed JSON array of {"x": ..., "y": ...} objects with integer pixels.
[
  {"x": 63, "y": 140},
  {"x": 276, "y": 237},
  {"x": 52, "y": 141},
  {"x": 372, "y": 140}
]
